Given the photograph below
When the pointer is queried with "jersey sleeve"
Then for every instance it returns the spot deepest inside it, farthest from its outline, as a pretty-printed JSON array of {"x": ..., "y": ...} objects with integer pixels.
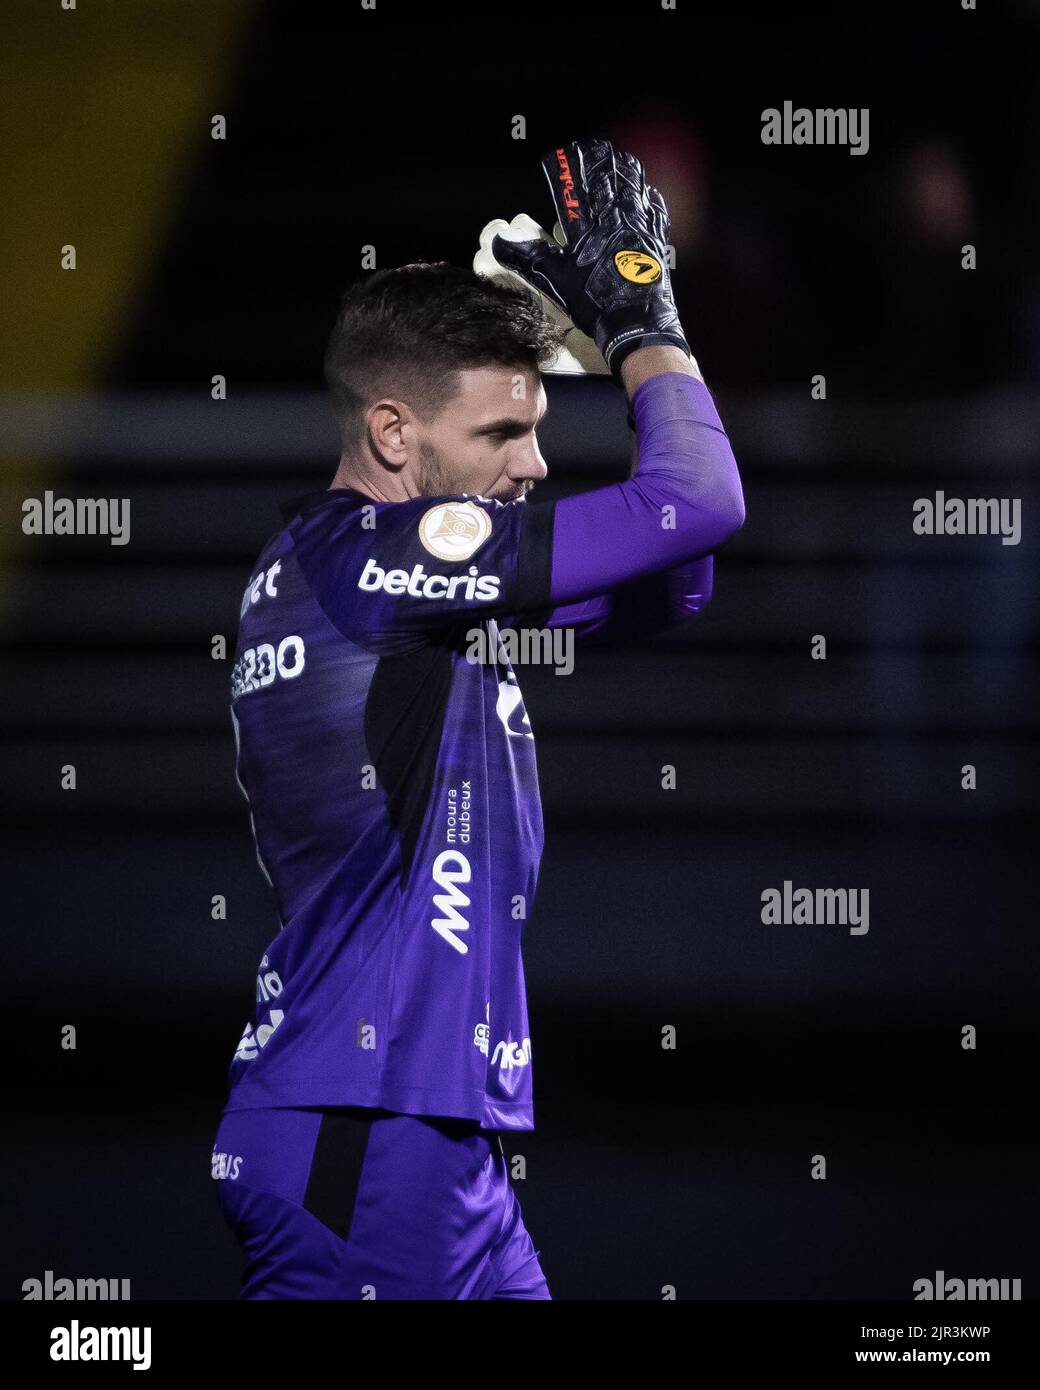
[
  {"x": 683, "y": 501},
  {"x": 394, "y": 575},
  {"x": 642, "y": 607}
]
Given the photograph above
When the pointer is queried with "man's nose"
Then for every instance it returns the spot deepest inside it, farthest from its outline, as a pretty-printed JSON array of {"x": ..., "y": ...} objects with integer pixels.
[{"x": 527, "y": 461}]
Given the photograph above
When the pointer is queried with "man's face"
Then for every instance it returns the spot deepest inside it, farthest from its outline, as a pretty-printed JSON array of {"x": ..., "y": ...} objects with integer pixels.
[{"x": 483, "y": 442}]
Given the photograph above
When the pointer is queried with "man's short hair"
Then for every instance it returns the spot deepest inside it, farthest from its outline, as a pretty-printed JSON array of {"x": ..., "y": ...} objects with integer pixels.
[{"x": 406, "y": 333}]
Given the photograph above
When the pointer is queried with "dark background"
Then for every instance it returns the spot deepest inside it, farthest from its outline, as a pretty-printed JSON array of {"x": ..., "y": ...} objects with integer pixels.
[{"x": 647, "y": 1168}]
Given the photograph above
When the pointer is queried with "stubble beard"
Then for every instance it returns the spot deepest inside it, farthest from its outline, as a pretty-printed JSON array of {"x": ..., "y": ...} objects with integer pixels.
[{"x": 437, "y": 479}]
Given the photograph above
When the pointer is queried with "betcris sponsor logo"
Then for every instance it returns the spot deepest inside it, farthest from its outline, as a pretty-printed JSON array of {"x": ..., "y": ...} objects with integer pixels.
[
  {"x": 416, "y": 582},
  {"x": 225, "y": 1166}
]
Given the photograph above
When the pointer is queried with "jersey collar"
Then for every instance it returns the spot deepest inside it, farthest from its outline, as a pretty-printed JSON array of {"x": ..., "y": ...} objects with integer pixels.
[{"x": 311, "y": 501}]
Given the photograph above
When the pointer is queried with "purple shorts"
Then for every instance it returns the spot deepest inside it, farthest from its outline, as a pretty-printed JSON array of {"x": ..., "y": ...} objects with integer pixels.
[{"x": 362, "y": 1203}]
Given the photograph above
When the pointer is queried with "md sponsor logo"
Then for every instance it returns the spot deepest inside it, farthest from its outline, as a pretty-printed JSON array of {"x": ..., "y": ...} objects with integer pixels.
[
  {"x": 484, "y": 588},
  {"x": 451, "y": 868}
]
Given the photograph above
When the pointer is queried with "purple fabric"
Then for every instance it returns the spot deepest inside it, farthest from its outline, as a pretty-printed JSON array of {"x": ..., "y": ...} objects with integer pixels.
[
  {"x": 605, "y": 538},
  {"x": 433, "y": 1214},
  {"x": 644, "y": 606},
  {"x": 397, "y": 978}
]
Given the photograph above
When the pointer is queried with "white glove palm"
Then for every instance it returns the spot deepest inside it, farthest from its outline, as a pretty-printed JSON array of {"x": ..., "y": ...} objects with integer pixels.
[{"x": 579, "y": 355}]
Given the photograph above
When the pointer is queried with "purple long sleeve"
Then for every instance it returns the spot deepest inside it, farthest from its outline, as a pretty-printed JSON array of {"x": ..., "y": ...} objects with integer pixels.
[
  {"x": 644, "y": 606},
  {"x": 608, "y": 537}
]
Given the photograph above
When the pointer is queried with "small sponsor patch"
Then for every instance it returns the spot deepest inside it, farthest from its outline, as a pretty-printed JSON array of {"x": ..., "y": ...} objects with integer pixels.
[{"x": 454, "y": 530}]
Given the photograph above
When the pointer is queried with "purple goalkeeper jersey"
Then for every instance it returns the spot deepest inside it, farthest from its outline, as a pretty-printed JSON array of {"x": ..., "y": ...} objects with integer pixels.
[
  {"x": 391, "y": 774},
  {"x": 396, "y": 782}
]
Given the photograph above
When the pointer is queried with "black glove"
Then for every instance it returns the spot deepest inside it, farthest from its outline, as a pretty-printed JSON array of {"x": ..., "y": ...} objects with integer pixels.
[{"x": 611, "y": 277}]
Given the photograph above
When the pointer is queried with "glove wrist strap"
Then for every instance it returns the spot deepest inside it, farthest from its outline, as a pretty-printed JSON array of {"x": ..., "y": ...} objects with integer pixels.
[{"x": 622, "y": 345}]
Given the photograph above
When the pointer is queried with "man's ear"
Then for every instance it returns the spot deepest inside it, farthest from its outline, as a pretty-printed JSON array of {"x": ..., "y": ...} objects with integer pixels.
[{"x": 389, "y": 430}]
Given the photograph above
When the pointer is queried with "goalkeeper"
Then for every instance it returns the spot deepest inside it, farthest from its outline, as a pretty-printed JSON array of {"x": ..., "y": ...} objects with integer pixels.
[{"x": 392, "y": 782}]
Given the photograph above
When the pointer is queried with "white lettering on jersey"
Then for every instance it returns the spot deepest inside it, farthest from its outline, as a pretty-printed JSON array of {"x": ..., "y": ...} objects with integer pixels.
[
  {"x": 267, "y": 983},
  {"x": 508, "y": 1055},
  {"x": 451, "y": 868},
  {"x": 250, "y": 1043},
  {"x": 257, "y": 667},
  {"x": 257, "y": 587},
  {"x": 510, "y": 707},
  {"x": 224, "y": 1166},
  {"x": 482, "y": 1032},
  {"x": 419, "y": 584}
]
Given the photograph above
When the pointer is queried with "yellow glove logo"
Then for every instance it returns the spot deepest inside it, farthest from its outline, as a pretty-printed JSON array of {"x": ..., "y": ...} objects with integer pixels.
[{"x": 638, "y": 266}]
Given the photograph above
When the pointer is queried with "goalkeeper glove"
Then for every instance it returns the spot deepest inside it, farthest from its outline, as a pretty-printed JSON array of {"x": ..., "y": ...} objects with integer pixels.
[{"x": 610, "y": 274}]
